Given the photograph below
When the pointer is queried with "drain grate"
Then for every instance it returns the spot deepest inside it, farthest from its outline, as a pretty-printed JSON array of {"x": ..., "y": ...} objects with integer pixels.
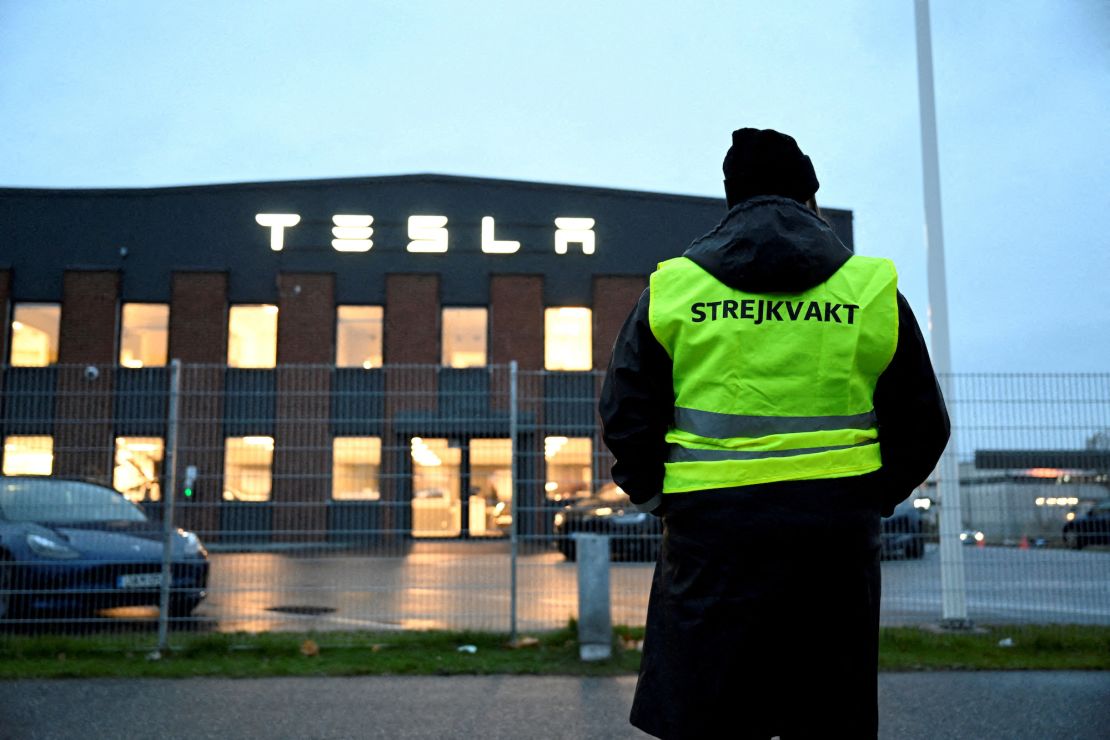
[{"x": 303, "y": 609}]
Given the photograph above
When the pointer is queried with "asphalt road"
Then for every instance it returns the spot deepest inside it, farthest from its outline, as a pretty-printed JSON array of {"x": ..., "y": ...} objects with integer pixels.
[
  {"x": 913, "y": 706},
  {"x": 466, "y": 586}
]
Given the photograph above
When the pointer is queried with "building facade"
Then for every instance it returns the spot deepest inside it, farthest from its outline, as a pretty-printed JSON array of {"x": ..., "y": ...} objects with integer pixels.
[{"x": 345, "y": 344}]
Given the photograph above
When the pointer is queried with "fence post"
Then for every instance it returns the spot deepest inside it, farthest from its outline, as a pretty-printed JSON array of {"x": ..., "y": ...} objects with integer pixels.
[
  {"x": 169, "y": 493},
  {"x": 513, "y": 477},
  {"x": 595, "y": 622},
  {"x": 953, "y": 585}
]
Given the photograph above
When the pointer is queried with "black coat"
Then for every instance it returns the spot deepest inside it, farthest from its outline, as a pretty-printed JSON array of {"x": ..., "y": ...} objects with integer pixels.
[{"x": 764, "y": 607}]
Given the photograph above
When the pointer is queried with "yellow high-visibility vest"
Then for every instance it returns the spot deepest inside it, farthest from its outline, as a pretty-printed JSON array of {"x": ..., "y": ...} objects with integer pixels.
[{"x": 773, "y": 386}]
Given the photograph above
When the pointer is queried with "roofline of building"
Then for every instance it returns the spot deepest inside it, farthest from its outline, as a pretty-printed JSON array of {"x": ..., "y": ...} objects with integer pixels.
[{"x": 426, "y": 177}]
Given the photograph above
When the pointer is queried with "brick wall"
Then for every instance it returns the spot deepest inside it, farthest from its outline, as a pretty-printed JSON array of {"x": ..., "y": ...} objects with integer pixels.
[
  {"x": 614, "y": 298},
  {"x": 83, "y": 438},
  {"x": 516, "y": 320},
  {"x": 198, "y": 334},
  {"x": 302, "y": 435}
]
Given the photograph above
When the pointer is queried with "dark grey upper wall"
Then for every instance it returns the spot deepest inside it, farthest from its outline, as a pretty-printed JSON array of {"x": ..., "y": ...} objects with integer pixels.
[{"x": 43, "y": 232}]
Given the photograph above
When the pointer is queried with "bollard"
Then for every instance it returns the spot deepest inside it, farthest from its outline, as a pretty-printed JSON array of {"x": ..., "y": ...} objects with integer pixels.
[{"x": 595, "y": 624}]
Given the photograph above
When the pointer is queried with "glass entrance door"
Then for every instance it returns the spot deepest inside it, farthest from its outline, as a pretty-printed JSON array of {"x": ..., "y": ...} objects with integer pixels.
[
  {"x": 490, "y": 484},
  {"x": 436, "y": 486},
  {"x": 461, "y": 488}
]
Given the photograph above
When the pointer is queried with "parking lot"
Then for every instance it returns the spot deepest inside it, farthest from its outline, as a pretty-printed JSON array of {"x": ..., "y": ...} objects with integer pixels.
[{"x": 458, "y": 585}]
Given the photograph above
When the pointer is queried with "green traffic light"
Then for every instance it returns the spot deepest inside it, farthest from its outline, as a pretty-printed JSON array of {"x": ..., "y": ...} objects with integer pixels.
[{"x": 188, "y": 492}]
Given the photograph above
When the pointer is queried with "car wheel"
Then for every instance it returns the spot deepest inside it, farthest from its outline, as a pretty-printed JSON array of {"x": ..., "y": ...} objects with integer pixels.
[
  {"x": 916, "y": 549},
  {"x": 7, "y": 599},
  {"x": 183, "y": 606}
]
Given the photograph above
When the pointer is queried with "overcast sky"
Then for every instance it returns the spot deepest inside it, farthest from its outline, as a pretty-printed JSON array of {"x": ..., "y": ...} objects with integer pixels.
[{"x": 641, "y": 95}]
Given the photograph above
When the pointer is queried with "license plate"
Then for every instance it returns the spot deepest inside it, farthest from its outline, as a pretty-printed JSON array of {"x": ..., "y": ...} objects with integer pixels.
[{"x": 140, "y": 580}]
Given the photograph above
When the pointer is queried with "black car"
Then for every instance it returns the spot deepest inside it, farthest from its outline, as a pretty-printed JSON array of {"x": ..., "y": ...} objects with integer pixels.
[
  {"x": 69, "y": 548},
  {"x": 1093, "y": 528},
  {"x": 902, "y": 534},
  {"x": 633, "y": 535}
]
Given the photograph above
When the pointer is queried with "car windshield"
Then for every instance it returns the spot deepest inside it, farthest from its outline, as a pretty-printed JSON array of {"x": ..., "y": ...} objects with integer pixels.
[{"x": 52, "y": 500}]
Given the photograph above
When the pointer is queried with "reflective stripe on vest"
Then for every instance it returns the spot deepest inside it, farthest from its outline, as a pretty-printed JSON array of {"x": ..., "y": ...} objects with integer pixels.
[{"x": 772, "y": 387}]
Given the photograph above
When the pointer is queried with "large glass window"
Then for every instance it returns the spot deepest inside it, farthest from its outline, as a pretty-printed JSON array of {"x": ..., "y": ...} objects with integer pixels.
[
  {"x": 144, "y": 334},
  {"x": 252, "y": 336},
  {"x": 248, "y": 468},
  {"x": 358, "y": 336},
  {"x": 491, "y": 487},
  {"x": 436, "y": 505},
  {"x": 356, "y": 469},
  {"x": 35, "y": 334},
  {"x": 28, "y": 454},
  {"x": 138, "y": 468},
  {"x": 568, "y": 467},
  {"x": 568, "y": 340},
  {"x": 464, "y": 337}
]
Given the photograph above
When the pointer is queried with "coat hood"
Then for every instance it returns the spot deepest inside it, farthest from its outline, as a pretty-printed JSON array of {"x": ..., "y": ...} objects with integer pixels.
[{"x": 770, "y": 244}]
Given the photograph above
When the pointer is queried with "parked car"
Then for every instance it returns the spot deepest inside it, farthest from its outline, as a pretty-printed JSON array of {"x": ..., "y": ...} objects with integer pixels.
[
  {"x": 633, "y": 535},
  {"x": 902, "y": 534},
  {"x": 1093, "y": 528},
  {"x": 69, "y": 548}
]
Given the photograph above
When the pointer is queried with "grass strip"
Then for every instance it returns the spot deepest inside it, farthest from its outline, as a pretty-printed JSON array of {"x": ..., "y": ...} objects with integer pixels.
[{"x": 242, "y": 655}]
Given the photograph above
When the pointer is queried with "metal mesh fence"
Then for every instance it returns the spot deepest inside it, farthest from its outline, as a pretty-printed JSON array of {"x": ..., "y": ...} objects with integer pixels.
[{"x": 418, "y": 497}]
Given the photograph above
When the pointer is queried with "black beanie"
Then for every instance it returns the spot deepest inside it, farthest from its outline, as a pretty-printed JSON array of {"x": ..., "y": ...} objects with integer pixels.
[{"x": 765, "y": 162}]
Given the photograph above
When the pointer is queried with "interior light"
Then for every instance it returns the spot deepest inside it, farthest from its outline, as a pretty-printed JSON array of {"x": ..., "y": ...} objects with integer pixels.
[
  {"x": 1070, "y": 516},
  {"x": 1043, "y": 472},
  {"x": 550, "y": 485},
  {"x": 1039, "y": 501},
  {"x": 490, "y": 244},
  {"x": 270, "y": 309},
  {"x": 277, "y": 222},
  {"x": 259, "y": 441},
  {"x": 17, "y": 325}
]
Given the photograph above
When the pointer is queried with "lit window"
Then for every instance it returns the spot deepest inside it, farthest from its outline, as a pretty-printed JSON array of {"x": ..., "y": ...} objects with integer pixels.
[
  {"x": 464, "y": 337},
  {"x": 568, "y": 343},
  {"x": 28, "y": 455},
  {"x": 436, "y": 482},
  {"x": 248, "y": 468},
  {"x": 356, "y": 464},
  {"x": 139, "y": 468},
  {"x": 358, "y": 336},
  {"x": 144, "y": 334},
  {"x": 252, "y": 336},
  {"x": 35, "y": 334},
  {"x": 568, "y": 467}
]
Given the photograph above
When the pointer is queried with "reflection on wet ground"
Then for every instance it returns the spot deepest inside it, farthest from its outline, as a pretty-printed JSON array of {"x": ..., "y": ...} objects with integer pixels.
[{"x": 461, "y": 585}]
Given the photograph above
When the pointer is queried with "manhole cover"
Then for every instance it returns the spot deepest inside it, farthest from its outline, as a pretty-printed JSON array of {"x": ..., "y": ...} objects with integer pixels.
[{"x": 306, "y": 610}]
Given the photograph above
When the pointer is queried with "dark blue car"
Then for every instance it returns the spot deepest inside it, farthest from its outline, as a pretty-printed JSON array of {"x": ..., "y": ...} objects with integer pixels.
[{"x": 69, "y": 548}]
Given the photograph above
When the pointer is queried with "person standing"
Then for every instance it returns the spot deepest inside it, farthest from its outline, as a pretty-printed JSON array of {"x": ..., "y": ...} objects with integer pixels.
[{"x": 770, "y": 397}]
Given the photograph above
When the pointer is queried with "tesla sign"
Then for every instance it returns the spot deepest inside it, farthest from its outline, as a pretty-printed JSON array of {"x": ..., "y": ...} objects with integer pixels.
[{"x": 427, "y": 234}]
